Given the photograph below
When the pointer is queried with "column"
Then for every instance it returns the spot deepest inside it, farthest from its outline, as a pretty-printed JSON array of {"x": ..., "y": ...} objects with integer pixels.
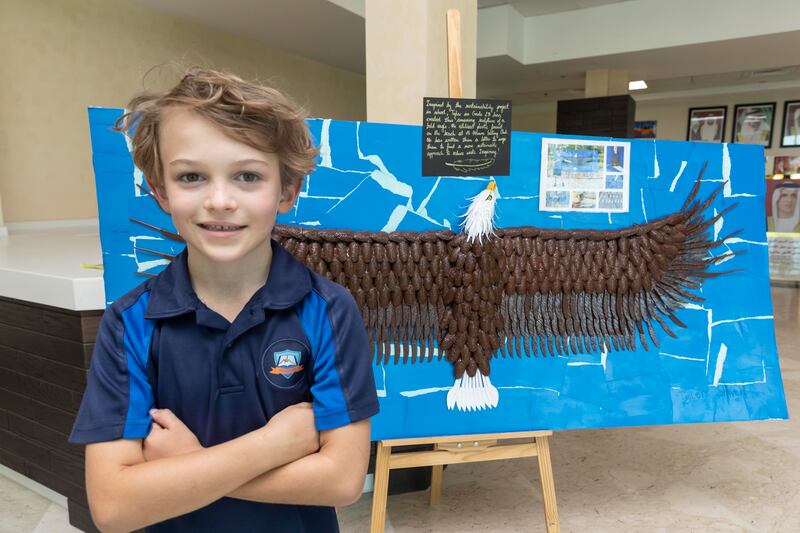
[
  {"x": 606, "y": 82},
  {"x": 406, "y": 46}
]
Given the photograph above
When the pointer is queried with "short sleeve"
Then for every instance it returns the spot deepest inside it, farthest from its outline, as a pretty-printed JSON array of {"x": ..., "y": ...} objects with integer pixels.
[
  {"x": 342, "y": 384},
  {"x": 118, "y": 394}
]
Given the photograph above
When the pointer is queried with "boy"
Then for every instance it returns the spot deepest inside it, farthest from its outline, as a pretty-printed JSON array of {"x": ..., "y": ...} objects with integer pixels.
[{"x": 233, "y": 342}]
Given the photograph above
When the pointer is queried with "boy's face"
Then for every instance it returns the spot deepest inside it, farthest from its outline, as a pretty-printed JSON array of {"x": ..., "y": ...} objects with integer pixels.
[{"x": 223, "y": 195}]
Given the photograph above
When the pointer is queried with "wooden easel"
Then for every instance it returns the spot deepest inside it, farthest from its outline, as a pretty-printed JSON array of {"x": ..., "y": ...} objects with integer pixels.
[{"x": 461, "y": 448}]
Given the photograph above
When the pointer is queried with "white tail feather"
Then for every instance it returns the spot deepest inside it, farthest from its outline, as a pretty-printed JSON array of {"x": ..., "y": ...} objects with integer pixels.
[
  {"x": 479, "y": 220},
  {"x": 472, "y": 393}
]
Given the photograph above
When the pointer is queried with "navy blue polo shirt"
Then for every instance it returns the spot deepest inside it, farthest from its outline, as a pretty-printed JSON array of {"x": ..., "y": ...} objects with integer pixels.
[{"x": 300, "y": 338}]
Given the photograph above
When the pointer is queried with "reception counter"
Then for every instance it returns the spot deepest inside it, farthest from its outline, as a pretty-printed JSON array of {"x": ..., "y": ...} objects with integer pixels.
[{"x": 51, "y": 301}]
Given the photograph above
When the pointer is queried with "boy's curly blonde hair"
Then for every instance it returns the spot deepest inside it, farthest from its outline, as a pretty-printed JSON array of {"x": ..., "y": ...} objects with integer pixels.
[{"x": 256, "y": 115}]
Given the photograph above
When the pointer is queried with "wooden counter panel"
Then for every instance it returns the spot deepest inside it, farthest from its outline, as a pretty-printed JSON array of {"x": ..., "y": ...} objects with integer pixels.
[
  {"x": 47, "y": 393},
  {"x": 55, "y": 348},
  {"x": 44, "y": 360},
  {"x": 43, "y": 414},
  {"x": 69, "y": 325},
  {"x": 36, "y": 367}
]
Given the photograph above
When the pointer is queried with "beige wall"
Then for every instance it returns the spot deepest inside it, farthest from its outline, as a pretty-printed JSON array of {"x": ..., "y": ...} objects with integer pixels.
[
  {"x": 539, "y": 117},
  {"x": 61, "y": 56},
  {"x": 673, "y": 115}
]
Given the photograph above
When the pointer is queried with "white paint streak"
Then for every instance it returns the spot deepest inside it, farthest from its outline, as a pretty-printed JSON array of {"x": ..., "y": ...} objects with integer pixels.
[
  {"x": 325, "y": 144},
  {"x": 138, "y": 177},
  {"x": 345, "y": 196},
  {"x": 735, "y": 240},
  {"x": 424, "y": 203},
  {"x": 681, "y": 357},
  {"x": 433, "y": 390},
  {"x": 727, "y": 190},
  {"x": 656, "y": 170},
  {"x": 718, "y": 225},
  {"x": 143, "y": 266},
  {"x": 311, "y": 223},
  {"x": 395, "y": 218},
  {"x": 382, "y": 391},
  {"x": 557, "y": 392},
  {"x": 422, "y": 392},
  {"x": 388, "y": 181},
  {"x": 644, "y": 211},
  {"x": 726, "y": 170},
  {"x": 680, "y": 173},
  {"x": 761, "y": 317},
  {"x": 721, "y": 356}
]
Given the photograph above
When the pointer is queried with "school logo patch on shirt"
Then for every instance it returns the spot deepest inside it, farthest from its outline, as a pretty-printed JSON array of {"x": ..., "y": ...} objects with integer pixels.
[
  {"x": 287, "y": 362},
  {"x": 284, "y": 363}
]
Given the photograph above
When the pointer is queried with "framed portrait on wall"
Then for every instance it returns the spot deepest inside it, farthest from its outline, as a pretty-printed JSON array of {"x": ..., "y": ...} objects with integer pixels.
[
  {"x": 707, "y": 124},
  {"x": 752, "y": 123},
  {"x": 786, "y": 164},
  {"x": 782, "y": 206},
  {"x": 790, "y": 132}
]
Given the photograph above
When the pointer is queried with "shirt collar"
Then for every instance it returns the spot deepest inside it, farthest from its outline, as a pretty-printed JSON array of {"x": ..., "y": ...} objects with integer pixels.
[{"x": 171, "y": 293}]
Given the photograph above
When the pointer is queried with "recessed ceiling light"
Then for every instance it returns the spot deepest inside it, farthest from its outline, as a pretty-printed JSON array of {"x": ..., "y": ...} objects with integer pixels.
[{"x": 636, "y": 85}]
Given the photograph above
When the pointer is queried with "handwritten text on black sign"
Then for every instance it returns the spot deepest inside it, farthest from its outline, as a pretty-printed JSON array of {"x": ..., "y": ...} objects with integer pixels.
[{"x": 466, "y": 137}]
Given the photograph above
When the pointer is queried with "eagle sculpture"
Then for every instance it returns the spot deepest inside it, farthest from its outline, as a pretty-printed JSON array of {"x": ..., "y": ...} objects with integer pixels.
[{"x": 521, "y": 291}]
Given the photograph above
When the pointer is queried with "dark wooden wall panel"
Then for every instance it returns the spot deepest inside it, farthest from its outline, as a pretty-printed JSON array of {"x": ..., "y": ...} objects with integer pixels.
[
  {"x": 44, "y": 359},
  {"x": 46, "y": 370}
]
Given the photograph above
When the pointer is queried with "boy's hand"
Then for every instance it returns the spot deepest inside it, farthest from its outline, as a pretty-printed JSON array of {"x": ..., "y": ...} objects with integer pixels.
[
  {"x": 294, "y": 431},
  {"x": 168, "y": 437}
]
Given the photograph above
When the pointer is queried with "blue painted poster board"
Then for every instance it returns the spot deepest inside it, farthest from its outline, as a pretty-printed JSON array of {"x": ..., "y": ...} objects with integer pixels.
[{"x": 724, "y": 367}]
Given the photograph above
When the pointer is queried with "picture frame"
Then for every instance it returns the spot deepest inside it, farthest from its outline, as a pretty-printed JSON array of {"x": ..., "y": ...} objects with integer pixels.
[
  {"x": 707, "y": 124},
  {"x": 752, "y": 123},
  {"x": 790, "y": 130},
  {"x": 645, "y": 129},
  {"x": 786, "y": 164}
]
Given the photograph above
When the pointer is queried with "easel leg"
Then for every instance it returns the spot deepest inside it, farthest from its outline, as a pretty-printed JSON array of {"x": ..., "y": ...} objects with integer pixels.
[
  {"x": 380, "y": 488},
  {"x": 548, "y": 486},
  {"x": 436, "y": 484}
]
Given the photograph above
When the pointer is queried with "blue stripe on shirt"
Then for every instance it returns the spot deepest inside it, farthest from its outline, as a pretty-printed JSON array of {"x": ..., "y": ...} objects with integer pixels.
[
  {"x": 138, "y": 332},
  {"x": 330, "y": 406}
]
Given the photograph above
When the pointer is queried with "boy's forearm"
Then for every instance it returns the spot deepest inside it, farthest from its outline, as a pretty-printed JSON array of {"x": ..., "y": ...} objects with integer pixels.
[
  {"x": 316, "y": 479},
  {"x": 150, "y": 492},
  {"x": 334, "y": 476}
]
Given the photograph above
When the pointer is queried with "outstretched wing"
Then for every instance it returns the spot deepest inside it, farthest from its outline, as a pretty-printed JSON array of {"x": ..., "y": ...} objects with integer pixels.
[
  {"x": 585, "y": 291},
  {"x": 526, "y": 290}
]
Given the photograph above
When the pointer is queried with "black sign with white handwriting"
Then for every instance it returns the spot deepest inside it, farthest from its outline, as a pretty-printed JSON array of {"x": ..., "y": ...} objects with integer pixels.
[{"x": 466, "y": 137}]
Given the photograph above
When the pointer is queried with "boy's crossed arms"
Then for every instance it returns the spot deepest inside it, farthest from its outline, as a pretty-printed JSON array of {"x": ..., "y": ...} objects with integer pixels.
[{"x": 133, "y": 482}]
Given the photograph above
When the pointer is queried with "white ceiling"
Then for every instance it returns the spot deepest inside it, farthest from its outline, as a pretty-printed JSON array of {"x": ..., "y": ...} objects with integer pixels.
[
  {"x": 316, "y": 29},
  {"x": 533, "y": 8},
  {"x": 332, "y": 32}
]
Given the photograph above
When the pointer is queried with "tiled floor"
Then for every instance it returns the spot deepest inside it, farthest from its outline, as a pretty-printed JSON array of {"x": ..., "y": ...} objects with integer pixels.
[{"x": 709, "y": 478}]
